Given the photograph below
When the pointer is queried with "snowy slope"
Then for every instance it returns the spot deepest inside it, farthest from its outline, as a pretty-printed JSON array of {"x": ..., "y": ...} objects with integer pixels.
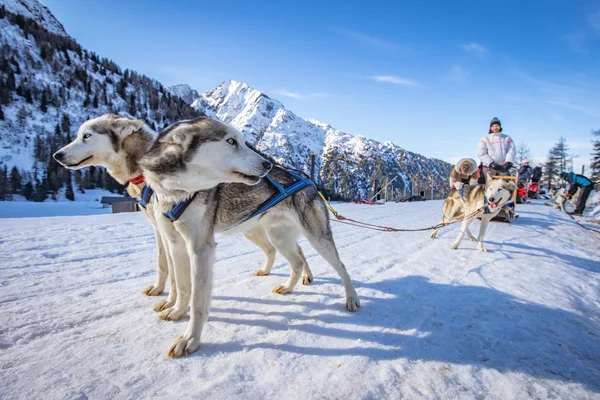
[
  {"x": 36, "y": 11},
  {"x": 519, "y": 322},
  {"x": 185, "y": 92},
  {"x": 346, "y": 163}
]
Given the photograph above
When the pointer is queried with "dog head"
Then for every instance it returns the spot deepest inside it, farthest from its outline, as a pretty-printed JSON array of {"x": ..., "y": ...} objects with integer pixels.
[
  {"x": 499, "y": 192},
  {"x": 99, "y": 141},
  {"x": 200, "y": 154}
]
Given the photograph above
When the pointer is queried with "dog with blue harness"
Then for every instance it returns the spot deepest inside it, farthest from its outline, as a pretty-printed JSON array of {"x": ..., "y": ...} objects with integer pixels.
[
  {"x": 483, "y": 201},
  {"x": 232, "y": 189}
]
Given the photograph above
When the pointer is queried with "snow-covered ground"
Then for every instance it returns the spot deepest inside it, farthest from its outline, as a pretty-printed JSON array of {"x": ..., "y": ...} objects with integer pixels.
[
  {"x": 521, "y": 321},
  {"x": 87, "y": 203}
]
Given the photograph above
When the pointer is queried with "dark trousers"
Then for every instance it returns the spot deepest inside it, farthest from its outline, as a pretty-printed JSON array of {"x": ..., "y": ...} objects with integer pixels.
[{"x": 586, "y": 190}]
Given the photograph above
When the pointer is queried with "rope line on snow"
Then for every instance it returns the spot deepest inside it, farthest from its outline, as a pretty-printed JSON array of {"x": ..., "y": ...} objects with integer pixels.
[
  {"x": 583, "y": 226},
  {"x": 382, "y": 228}
]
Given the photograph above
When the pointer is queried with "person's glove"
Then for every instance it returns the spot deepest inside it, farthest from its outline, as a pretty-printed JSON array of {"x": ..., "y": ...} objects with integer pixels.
[
  {"x": 458, "y": 185},
  {"x": 507, "y": 166},
  {"x": 496, "y": 166}
]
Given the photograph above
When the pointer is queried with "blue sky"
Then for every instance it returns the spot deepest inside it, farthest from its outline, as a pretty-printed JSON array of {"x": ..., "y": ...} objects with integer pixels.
[{"x": 427, "y": 75}]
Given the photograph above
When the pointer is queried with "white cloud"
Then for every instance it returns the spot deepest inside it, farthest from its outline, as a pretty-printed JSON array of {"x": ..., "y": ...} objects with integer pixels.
[
  {"x": 396, "y": 80},
  {"x": 591, "y": 111},
  {"x": 474, "y": 48},
  {"x": 300, "y": 96},
  {"x": 458, "y": 74},
  {"x": 368, "y": 40},
  {"x": 594, "y": 21}
]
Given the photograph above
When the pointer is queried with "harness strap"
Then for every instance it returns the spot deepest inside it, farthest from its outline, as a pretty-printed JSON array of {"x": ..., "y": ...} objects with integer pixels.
[
  {"x": 486, "y": 210},
  {"x": 147, "y": 193},
  {"x": 176, "y": 211},
  {"x": 284, "y": 192},
  {"x": 462, "y": 193}
]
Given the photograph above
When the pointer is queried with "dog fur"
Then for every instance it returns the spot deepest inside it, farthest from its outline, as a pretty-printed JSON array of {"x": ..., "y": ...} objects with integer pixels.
[
  {"x": 559, "y": 198},
  {"x": 118, "y": 143},
  {"x": 497, "y": 191},
  {"x": 211, "y": 159}
]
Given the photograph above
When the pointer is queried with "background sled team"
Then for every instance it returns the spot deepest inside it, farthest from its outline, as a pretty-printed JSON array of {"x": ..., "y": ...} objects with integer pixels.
[{"x": 497, "y": 155}]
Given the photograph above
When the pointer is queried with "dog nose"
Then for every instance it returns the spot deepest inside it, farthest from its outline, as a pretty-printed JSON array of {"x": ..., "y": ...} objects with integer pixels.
[
  {"x": 267, "y": 165},
  {"x": 59, "y": 156},
  {"x": 491, "y": 199}
]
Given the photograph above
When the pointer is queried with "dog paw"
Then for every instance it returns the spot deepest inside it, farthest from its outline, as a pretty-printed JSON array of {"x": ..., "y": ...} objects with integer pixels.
[
  {"x": 454, "y": 246},
  {"x": 282, "y": 289},
  {"x": 261, "y": 272},
  {"x": 172, "y": 314},
  {"x": 153, "y": 290},
  {"x": 352, "y": 303},
  {"x": 307, "y": 279},
  {"x": 472, "y": 239},
  {"x": 163, "y": 305},
  {"x": 184, "y": 345},
  {"x": 482, "y": 249}
]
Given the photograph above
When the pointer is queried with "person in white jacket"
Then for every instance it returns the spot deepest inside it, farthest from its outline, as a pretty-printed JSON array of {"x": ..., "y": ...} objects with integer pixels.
[{"x": 496, "y": 150}]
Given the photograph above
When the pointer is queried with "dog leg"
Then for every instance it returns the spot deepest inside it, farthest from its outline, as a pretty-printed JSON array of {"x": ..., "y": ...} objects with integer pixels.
[
  {"x": 181, "y": 272},
  {"x": 172, "y": 297},
  {"x": 202, "y": 258},
  {"x": 258, "y": 236},
  {"x": 284, "y": 240},
  {"x": 484, "y": 223},
  {"x": 162, "y": 268},
  {"x": 317, "y": 229},
  {"x": 435, "y": 231},
  {"x": 307, "y": 276},
  {"x": 463, "y": 228},
  {"x": 470, "y": 235}
]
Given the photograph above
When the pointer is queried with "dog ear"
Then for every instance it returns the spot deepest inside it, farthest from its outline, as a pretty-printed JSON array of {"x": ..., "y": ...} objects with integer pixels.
[
  {"x": 174, "y": 138},
  {"x": 511, "y": 184},
  {"x": 125, "y": 126},
  {"x": 488, "y": 177}
]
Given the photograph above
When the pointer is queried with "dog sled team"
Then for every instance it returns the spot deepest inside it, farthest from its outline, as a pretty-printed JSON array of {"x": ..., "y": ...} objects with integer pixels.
[
  {"x": 199, "y": 177},
  {"x": 490, "y": 190}
]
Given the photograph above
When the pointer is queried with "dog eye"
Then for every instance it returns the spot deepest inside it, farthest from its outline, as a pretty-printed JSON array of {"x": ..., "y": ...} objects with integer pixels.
[
  {"x": 87, "y": 136},
  {"x": 231, "y": 141}
]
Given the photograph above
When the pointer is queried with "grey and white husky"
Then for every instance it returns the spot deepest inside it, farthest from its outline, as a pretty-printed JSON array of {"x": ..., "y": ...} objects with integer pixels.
[
  {"x": 497, "y": 192},
  {"x": 118, "y": 143},
  {"x": 210, "y": 161}
]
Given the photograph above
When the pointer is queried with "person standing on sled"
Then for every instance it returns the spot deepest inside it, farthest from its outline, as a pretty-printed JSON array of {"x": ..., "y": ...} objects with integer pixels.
[
  {"x": 496, "y": 151},
  {"x": 463, "y": 173},
  {"x": 578, "y": 181}
]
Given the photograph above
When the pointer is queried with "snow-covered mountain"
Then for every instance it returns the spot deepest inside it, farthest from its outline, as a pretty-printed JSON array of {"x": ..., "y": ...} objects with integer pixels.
[
  {"x": 185, "y": 92},
  {"x": 49, "y": 85},
  {"x": 34, "y": 10},
  {"x": 348, "y": 165}
]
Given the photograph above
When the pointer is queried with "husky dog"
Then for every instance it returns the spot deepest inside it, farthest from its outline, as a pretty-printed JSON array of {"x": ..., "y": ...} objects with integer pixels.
[
  {"x": 118, "y": 143},
  {"x": 497, "y": 192},
  {"x": 560, "y": 198},
  {"x": 209, "y": 161}
]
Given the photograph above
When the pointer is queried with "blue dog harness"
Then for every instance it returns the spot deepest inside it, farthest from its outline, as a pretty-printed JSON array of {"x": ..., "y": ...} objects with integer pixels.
[
  {"x": 284, "y": 193},
  {"x": 172, "y": 214}
]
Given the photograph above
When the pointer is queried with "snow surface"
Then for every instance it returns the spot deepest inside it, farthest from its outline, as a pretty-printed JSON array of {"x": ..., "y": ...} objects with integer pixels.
[
  {"x": 87, "y": 203},
  {"x": 521, "y": 321}
]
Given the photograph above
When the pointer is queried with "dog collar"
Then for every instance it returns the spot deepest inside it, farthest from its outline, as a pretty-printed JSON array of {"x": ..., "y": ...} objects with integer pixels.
[{"x": 138, "y": 180}]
